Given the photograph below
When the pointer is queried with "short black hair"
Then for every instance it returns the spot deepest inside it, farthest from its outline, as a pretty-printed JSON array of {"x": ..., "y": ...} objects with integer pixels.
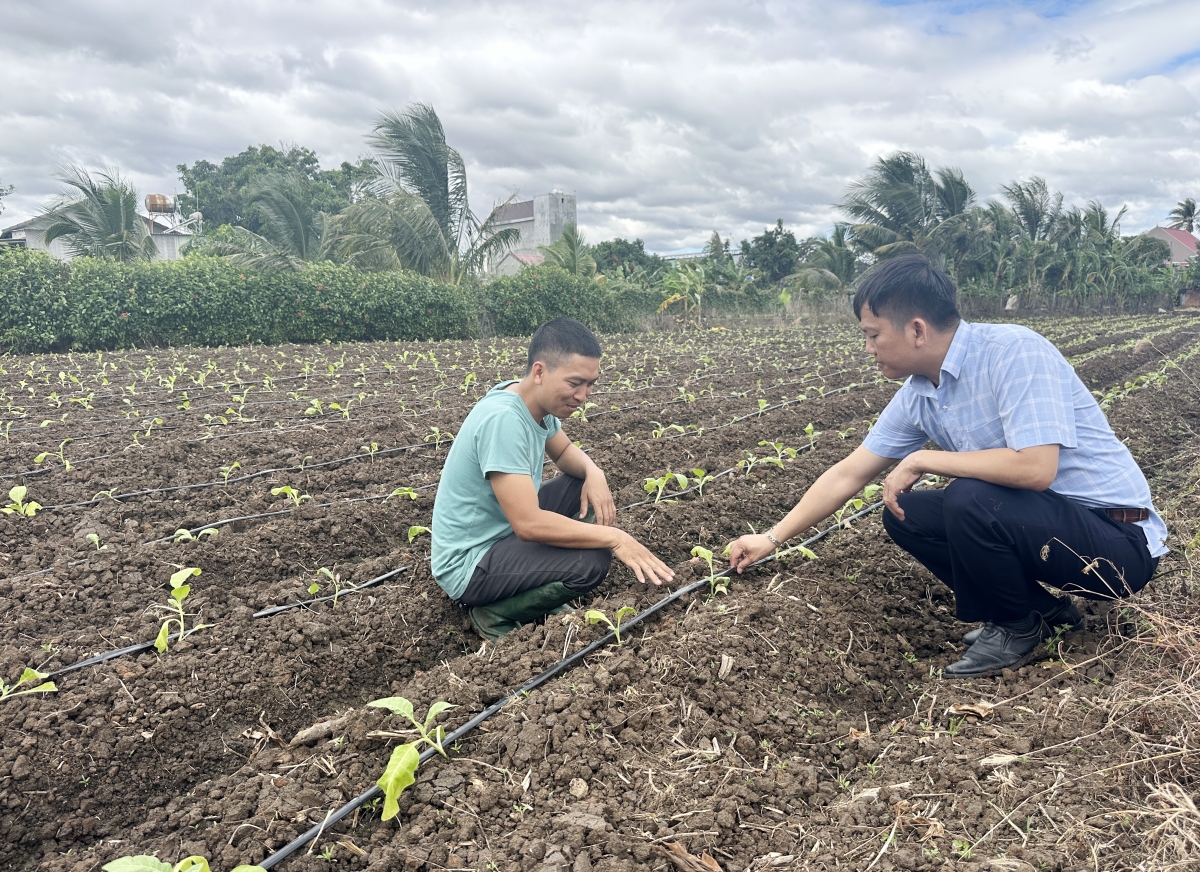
[
  {"x": 908, "y": 287},
  {"x": 556, "y": 340}
]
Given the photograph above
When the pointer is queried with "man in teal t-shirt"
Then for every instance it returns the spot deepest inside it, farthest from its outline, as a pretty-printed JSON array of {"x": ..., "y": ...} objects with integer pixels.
[{"x": 505, "y": 546}]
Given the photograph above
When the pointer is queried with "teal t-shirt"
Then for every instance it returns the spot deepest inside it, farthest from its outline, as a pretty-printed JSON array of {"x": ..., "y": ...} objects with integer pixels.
[{"x": 499, "y": 435}]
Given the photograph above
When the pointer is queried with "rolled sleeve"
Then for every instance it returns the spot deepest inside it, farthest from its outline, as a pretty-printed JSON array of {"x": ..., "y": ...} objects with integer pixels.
[
  {"x": 1033, "y": 388},
  {"x": 896, "y": 433}
]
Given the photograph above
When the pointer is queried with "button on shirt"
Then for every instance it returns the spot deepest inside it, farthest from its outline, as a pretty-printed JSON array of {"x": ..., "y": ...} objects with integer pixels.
[{"x": 1005, "y": 386}]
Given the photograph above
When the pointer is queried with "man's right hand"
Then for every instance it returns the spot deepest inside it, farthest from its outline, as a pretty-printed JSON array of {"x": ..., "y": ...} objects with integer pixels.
[
  {"x": 747, "y": 550},
  {"x": 637, "y": 557}
]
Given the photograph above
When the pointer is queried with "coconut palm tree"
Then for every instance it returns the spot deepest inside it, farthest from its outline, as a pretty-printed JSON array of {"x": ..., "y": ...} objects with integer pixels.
[
  {"x": 98, "y": 217},
  {"x": 898, "y": 204},
  {"x": 420, "y": 218},
  {"x": 292, "y": 233},
  {"x": 570, "y": 252},
  {"x": 1183, "y": 216}
]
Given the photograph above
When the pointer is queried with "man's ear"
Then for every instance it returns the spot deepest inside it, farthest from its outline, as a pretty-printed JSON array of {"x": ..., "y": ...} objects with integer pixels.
[
  {"x": 919, "y": 331},
  {"x": 537, "y": 371}
]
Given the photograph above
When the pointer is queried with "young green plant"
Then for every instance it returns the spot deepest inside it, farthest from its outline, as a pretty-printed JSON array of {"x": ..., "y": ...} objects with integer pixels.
[
  {"x": 415, "y": 531},
  {"x": 291, "y": 493},
  {"x": 146, "y": 863},
  {"x": 595, "y": 616},
  {"x": 179, "y": 592},
  {"x": 18, "y": 505},
  {"x": 715, "y": 585},
  {"x": 60, "y": 454},
  {"x": 334, "y": 578},
  {"x": 402, "y": 766},
  {"x": 27, "y": 677},
  {"x": 657, "y": 486}
]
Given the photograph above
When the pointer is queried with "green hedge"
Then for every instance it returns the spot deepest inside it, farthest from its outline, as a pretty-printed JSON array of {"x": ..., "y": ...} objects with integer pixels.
[{"x": 89, "y": 304}]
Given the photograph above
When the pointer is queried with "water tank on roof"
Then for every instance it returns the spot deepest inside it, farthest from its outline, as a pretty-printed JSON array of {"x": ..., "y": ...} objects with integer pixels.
[{"x": 160, "y": 204}]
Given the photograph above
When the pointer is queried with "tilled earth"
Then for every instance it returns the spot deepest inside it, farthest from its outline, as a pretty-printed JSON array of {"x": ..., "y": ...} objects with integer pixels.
[{"x": 797, "y": 714}]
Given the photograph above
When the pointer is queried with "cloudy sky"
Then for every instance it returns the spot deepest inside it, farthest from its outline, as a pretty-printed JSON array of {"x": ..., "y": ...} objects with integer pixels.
[{"x": 667, "y": 120}]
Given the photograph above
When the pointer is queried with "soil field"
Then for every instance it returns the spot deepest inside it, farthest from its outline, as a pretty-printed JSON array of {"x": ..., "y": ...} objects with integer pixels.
[{"x": 795, "y": 721}]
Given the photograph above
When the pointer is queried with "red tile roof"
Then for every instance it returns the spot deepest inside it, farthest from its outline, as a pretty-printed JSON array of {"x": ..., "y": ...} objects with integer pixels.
[{"x": 1182, "y": 237}]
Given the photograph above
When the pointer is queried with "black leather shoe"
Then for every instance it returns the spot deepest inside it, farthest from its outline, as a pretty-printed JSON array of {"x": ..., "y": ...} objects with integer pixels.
[
  {"x": 1065, "y": 614},
  {"x": 999, "y": 648}
]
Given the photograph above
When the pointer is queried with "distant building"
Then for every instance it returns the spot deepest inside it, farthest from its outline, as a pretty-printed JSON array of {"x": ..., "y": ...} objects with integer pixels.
[
  {"x": 1183, "y": 245},
  {"x": 168, "y": 238},
  {"x": 539, "y": 221}
]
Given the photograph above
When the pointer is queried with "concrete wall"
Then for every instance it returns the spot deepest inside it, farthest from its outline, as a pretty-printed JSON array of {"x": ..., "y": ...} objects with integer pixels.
[
  {"x": 169, "y": 245},
  {"x": 551, "y": 213}
]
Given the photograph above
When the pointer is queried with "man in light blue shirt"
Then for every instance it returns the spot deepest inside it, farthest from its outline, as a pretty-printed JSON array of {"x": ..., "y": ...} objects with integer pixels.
[{"x": 1043, "y": 490}]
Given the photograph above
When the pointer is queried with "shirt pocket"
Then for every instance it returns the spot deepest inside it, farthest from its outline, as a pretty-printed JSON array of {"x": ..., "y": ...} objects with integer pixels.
[{"x": 989, "y": 435}]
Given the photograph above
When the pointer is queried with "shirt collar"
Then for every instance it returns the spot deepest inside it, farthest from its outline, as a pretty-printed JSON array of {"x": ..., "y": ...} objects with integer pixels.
[{"x": 952, "y": 365}]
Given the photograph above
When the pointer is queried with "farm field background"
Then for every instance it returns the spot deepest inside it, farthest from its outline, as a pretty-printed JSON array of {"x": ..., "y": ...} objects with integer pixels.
[{"x": 799, "y": 713}]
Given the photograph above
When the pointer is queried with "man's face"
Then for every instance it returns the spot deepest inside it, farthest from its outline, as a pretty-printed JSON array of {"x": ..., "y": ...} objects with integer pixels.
[
  {"x": 566, "y": 387},
  {"x": 892, "y": 347}
]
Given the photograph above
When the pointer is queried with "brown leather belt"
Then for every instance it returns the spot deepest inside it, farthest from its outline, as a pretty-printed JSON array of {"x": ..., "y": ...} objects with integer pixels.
[{"x": 1128, "y": 516}]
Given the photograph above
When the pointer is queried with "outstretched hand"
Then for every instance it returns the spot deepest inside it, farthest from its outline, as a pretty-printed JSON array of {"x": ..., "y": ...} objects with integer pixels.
[
  {"x": 637, "y": 557},
  {"x": 748, "y": 550}
]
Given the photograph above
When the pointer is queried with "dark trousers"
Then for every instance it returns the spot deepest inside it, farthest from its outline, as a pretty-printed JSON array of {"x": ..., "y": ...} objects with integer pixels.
[
  {"x": 512, "y": 566},
  {"x": 992, "y": 546}
]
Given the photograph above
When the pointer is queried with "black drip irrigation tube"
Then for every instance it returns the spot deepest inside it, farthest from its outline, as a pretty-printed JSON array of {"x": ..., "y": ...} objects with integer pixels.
[
  {"x": 553, "y": 672},
  {"x": 265, "y": 613}
]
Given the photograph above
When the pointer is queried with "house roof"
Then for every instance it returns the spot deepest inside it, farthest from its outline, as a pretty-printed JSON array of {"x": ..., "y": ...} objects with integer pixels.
[{"x": 1182, "y": 237}]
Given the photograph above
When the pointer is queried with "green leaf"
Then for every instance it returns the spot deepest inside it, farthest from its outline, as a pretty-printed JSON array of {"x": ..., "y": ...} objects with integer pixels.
[
  {"x": 436, "y": 709},
  {"x": 681, "y": 480},
  {"x": 46, "y": 687},
  {"x": 595, "y": 616},
  {"x": 141, "y": 863},
  {"x": 811, "y": 555},
  {"x": 17, "y": 494},
  {"x": 399, "y": 774},
  {"x": 41, "y": 457},
  {"x": 160, "y": 644},
  {"x": 314, "y": 587},
  {"x": 194, "y": 862},
  {"x": 703, "y": 553},
  {"x": 248, "y": 869},
  {"x": 395, "y": 704},
  {"x": 625, "y": 610},
  {"x": 180, "y": 593},
  {"x": 414, "y": 532},
  {"x": 30, "y": 675},
  {"x": 178, "y": 578}
]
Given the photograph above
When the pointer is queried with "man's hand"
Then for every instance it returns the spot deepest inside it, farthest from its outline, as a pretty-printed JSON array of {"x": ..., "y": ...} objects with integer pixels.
[
  {"x": 747, "y": 550},
  {"x": 900, "y": 481},
  {"x": 637, "y": 557},
  {"x": 596, "y": 494}
]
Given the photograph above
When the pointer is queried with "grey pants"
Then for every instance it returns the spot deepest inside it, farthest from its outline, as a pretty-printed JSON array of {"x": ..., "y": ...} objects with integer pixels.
[{"x": 512, "y": 566}]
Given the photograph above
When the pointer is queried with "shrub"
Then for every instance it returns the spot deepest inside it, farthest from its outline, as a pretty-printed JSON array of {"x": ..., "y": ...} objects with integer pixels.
[
  {"x": 33, "y": 308},
  {"x": 519, "y": 303}
]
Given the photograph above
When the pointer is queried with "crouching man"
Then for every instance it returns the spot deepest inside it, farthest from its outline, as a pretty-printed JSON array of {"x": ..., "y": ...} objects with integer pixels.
[
  {"x": 1043, "y": 491},
  {"x": 504, "y": 545}
]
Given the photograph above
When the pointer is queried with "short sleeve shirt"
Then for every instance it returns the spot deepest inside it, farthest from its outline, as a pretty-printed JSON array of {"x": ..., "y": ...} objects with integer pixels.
[
  {"x": 499, "y": 435},
  {"x": 1005, "y": 386}
]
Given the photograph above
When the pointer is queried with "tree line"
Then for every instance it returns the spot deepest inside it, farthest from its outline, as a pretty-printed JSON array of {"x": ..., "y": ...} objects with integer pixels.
[{"x": 405, "y": 207}]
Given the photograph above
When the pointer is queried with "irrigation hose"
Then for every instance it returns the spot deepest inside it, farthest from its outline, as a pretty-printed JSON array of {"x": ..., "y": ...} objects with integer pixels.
[{"x": 538, "y": 680}]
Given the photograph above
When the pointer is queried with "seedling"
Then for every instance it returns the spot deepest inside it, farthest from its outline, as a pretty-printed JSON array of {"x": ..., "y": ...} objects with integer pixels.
[
  {"x": 700, "y": 478},
  {"x": 657, "y": 486},
  {"x": 414, "y": 532},
  {"x": 145, "y": 863},
  {"x": 751, "y": 461},
  {"x": 715, "y": 585},
  {"x": 661, "y": 430},
  {"x": 27, "y": 677},
  {"x": 402, "y": 766},
  {"x": 595, "y": 616},
  {"x": 402, "y": 492},
  {"x": 291, "y": 493},
  {"x": 811, "y": 434},
  {"x": 581, "y": 412},
  {"x": 437, "y": 436},
  {"x": 781, "y": 452},
  {"x": 95, "y": 540},
  {"x": 185, "y": 535},
  {"x": 179, "y": 592},
  {"x": 370, "y": 450},
  {"x": 18, "y": 506},
  {"x": 856, "y": 504},
  {"x": 62, "y": 457},
  {"x": 335, "y": 580}
]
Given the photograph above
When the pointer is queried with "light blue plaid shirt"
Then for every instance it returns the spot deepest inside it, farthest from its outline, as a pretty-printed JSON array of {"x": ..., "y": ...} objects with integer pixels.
[{"x": 1004, "y": 386}]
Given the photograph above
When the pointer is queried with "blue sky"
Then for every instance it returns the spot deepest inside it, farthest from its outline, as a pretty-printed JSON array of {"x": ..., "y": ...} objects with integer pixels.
[{"x": 667, "y": 120}]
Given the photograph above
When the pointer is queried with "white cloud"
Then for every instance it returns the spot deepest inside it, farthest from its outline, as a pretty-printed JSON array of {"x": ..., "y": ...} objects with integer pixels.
[{"x": 668, "y": 120}]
